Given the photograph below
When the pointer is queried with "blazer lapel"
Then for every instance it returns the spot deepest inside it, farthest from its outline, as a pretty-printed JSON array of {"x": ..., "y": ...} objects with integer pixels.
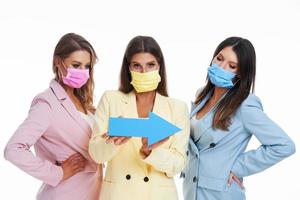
[
  {"x": 193, "y": 106},
  {"x": 68, "y": 105},
  {"x": 196, "y": 107},
  {"x": 129, "y": 110},
  {"x": 203, "y": 122},
  {"x": 161, "y": 107},
  {"x": 209, "y": 137},
  {"x": 128, "y": 106}
]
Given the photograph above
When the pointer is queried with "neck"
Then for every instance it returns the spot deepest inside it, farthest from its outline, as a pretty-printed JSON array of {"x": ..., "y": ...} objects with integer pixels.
[
  {"x": 218, "y": 93},
  {"x": 69, "y": 90},
  {"x": 145, "y": 97}
]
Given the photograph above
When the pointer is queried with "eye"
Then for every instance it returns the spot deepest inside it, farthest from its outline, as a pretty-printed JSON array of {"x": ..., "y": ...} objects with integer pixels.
[
  {"x": 75, "y": 65},
  {"x": 136, "y": 66},
  {"x": 232, "y": 66},
  {"x": 151, "y": 65},
  {"x": 219, "y": 58},
  {"x": 88, "y": 67}
]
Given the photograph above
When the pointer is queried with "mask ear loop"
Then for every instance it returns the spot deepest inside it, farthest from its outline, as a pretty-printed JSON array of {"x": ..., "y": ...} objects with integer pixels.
[
  {"x": 228, "y": 90},
  {"x": 61, "y": 75},
  {"x": 238, "y": 80}
]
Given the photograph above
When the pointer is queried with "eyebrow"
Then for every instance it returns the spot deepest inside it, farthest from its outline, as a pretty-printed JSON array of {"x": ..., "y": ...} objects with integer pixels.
[
  {"x": 77, "y": 62},
  {"x": 153, "y": 61},
  {"x": 219, "y": 54},
  {"x": 223, "y": 58},
  {"x": 74, "y": 61}
]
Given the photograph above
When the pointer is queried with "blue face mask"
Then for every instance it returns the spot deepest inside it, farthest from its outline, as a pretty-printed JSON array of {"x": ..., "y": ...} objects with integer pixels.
[{"x": 220, "y": 77}]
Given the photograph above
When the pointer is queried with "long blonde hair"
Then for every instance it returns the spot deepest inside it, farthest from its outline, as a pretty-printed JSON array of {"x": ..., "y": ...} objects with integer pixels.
[{"x": 68, "y": 44}]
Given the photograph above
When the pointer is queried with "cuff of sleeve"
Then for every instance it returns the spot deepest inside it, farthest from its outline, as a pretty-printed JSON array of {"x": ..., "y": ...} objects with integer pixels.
[
  {"x": 56, "y": 175},
  {"x": 156, "y": 158},
  {"x": 237, "y": 170}
]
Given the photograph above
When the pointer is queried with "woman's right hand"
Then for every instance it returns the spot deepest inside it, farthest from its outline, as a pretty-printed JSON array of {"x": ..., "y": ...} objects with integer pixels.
[
  {"x": 74, "y": 164},
  {"x": 233, "y": 177},
  {"x": 116, "y": 140}
]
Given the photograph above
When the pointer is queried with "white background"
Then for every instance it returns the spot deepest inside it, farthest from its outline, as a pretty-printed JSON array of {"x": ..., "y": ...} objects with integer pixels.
[{"x": 188, "y": 32}]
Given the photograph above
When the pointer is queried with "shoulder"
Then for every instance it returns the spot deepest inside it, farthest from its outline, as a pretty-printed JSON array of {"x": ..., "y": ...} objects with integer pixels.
[
  {"x": 43, "y": 97},
  {"x": 113, "y": 94},
  {"x": 115, "y": 97},
  {"x": 251, "y": 108},
  {"x": 252, "y": 101},
  {"x": 176, "y": 104}
]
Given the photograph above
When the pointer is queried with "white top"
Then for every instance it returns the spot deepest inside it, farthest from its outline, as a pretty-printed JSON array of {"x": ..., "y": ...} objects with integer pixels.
[
  {"x": 193, "y": 125},
  {"x": 89, "y": 118}
]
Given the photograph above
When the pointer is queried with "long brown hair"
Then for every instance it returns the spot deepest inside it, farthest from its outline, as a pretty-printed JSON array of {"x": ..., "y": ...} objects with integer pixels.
[
  {"x": 142, "y": 44},
  {"x": 68, "y": 44},
  {"x": 228, "y": 106}
]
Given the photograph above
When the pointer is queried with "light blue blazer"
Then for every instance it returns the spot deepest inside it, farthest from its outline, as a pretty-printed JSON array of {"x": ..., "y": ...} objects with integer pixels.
[{"x": 213, "y": 153}]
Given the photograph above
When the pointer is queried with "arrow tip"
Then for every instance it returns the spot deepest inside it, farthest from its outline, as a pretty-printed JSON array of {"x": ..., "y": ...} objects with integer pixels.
[{"x": 162, "y": 128}]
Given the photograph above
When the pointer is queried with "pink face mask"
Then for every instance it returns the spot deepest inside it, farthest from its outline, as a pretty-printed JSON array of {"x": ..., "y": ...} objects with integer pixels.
[{"x": 76, "y": 78}]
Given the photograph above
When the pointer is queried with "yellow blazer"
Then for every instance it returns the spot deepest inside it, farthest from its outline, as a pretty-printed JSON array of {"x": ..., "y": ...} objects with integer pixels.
[{"x": 128, "y": 176}]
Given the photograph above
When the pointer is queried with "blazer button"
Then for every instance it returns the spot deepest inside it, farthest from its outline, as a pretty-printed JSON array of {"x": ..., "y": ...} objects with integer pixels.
[
  {"x": 58, "y": 163},
  {"x": 212, "y": 145},
  {"x": 182, "y": 175},
  {"x": 187, "y": 153},
  {"x": 195, "y": 179},
  {"x": 128, "y": 176},
  {"x": 146, "y": 179}
]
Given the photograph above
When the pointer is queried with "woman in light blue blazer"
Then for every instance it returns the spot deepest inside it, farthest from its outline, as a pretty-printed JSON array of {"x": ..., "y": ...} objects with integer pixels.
[{"x": 224, "y": 116}]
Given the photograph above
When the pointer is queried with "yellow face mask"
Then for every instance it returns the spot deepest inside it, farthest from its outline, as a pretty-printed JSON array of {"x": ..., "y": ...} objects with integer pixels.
[{"x": 145, "y": 82}]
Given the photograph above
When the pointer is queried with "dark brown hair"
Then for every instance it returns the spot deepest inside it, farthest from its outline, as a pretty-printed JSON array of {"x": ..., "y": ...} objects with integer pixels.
[
  {"x": 246, "y": 80},
  {"x": 68, "y": 44},
  {"x": 142, "y": 44}
]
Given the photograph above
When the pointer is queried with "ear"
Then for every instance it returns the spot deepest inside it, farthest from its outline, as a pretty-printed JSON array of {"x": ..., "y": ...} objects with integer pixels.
[{"x": 57, "y": 62}]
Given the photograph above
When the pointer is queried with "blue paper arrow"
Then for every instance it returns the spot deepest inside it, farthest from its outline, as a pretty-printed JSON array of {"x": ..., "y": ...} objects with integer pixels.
[{"x": 154, "y": 128}]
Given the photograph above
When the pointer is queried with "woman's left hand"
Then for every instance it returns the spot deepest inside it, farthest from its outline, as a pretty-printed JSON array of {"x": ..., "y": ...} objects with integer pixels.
[
  {"x": 232, "y": 178},
  {"x": 146, "y": 150},
  {"x": 117, "y": 140}
]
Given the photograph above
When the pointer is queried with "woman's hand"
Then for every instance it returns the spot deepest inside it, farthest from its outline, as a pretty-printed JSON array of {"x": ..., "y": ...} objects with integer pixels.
[
  {"x": 232, "y": 178},
  {"x": 145, "y": 150},
  {"x": 116, "y": 140},
  {"x": 101, "y": 167},
  {"x": 74, "y": 164}
]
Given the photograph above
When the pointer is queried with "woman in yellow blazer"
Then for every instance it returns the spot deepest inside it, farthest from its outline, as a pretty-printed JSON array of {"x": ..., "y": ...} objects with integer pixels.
[{"x": 134, "y": 169}]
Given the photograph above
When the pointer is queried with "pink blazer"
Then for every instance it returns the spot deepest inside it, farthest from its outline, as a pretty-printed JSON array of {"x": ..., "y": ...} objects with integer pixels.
[{"x": 57, "y": 131}]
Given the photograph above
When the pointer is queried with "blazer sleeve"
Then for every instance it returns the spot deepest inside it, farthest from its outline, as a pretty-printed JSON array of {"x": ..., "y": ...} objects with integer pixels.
[
  {"x": 275, "y": 143},
  {"x": 98, "y": 149},
  {"x": 171, "y": 160},
  {"x": 18, "y": 152}
]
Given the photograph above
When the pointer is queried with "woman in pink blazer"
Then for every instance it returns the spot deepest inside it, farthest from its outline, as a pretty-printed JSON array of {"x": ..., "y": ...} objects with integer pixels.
[{"x": 58, "y": 125}]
